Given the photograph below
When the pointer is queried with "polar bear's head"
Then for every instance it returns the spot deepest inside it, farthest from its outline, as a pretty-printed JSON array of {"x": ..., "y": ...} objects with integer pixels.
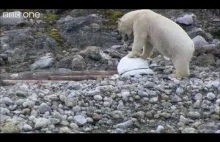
[{"x": 124, "y": 29}]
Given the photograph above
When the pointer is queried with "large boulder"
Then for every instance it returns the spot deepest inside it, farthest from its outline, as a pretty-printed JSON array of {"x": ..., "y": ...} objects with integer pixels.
[{"x": 81, "y": 32}]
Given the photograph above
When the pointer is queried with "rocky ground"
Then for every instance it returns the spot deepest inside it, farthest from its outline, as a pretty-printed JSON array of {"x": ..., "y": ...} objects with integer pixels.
[{"x": 85, "y": 40}]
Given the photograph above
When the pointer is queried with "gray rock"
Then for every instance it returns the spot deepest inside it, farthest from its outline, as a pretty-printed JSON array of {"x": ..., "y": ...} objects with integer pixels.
[
  {"x": 120, "y": 131},
  {"x": 153, "y": 100},
  {"x": 205, "y": 60},
  {"x": 160, "y": 129},
  {"x": 106, "y": 104},
  {"x": 97, "y": 97},
  {"x": 65, "y": 19},
  {"x": 184, "y": 120},
  {"x": 217, "y": 45},
  {"x": 142, "y": 93},
  {"x": 74, "y": 85},
  {"x": 27, "y": 128},
  {"x": 74, "y": 126},
  {"x": 64, "y": 130},
  {"x": 45, "y": 44},
  {"x": 32, "y": 118},
  {"x": 125, "y": 95},
  {"x": 120, "y": 105},
  {"x": 4, "y": 111},
  {"x": 189, "y": 130},
  {"x": 43, "y": 62},
  {"x": 133, "y": 67},
  {"x": 214, "y": 83},
  {"x": 80, "y": 120},
  {"x": 194, "y": 115},
  {"x": 44, "y": 108},
  {"x": 82, "y": 28},
  {"x": 210, "y": 126},
  {"x": 210, "y": 96},
  {"x": 124, "y": 125},
  {"x": 5, "y": 19},
  {"x": 92, "y": 52},
  {"x": 179, "y": 90},
  {"x": 176, "y": 98},
  {"x": 186, "y": 19},
  {"x": 198, "y": 96},
  {"x": 65, "y": 62},
  {"x": 215, "y": 41},
  {"x": 217, "y": 109},
  {"x": 199, "y": 42},
  {"x": 199, "y": 32},
  {"x": 7, "y": 101},
  {"x": 116, "y": 47},
  {"x": 78, "y": 63},
  {"x": 28, "y": 104},
  {"x": 41, "y": 123},
  {"x": 89, "y": 120},
  {"x": 64, "y": 123},
  {"x": 218, "y": 101},
  {"x": 71, "y": 102},
  {"x": 165, "y": 115},
  {"x": 54, "y": 121}
]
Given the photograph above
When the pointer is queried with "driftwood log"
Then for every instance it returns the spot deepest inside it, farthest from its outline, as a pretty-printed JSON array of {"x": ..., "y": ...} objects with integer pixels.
[
  {"x": 47, "y": 75},
  {"x": 37, "y": 77}
]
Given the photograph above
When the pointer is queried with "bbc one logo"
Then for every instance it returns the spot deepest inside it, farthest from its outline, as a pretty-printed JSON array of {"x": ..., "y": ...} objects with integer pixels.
[{"x": 18, "y": 14}]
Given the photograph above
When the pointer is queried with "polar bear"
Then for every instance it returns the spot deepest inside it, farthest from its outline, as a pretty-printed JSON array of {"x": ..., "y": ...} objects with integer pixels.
[{"x": 151, "y": 30}]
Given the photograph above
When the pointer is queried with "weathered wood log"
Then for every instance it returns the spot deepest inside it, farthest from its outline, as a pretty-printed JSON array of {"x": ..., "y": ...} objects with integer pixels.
[
  {"x": 78, "y": 77},
  {"x": 55, "y": 79},
  {"x": 13, "y": 82},
  {"x": 46, "y": 75}
]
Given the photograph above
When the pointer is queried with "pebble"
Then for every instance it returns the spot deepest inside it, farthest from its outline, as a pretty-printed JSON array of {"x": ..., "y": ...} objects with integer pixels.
[
  {"x": 160, "y": 129},
  {"x": 189, "y": 130},
  {"x": 80, "y": 120},
  {"x": 44, "y": 108},
  {"x": 179, "y": 90},
  {"x": 64, "y": 130},
  {"x": 106, "y": 104},
  {"x": 97, "y": 97},
  {"x": 153, "y": 100},
  {"x": 41, "y": 123},
  {"x": 125, "y": 125},
  {"x": 89, "y": 120},
  {"x": 7, "y": 101},
  {"x": 4, "y": 111},
  {"x": 194, "y": 115},
  {"x": 210, "y": 96},
  {"x": 74, "y": 126},
  {"x": 184, "y": 120},
  {"x": 27, "y": 128}
]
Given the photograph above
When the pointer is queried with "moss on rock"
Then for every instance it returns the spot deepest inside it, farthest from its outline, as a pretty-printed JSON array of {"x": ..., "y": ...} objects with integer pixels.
[{"x": 112, "y": 16}]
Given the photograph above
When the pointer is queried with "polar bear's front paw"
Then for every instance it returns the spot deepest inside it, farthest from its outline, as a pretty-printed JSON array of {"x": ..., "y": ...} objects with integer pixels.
[
  {"x": 134, "y": 54},
  {"x": 177, "y": 76}
]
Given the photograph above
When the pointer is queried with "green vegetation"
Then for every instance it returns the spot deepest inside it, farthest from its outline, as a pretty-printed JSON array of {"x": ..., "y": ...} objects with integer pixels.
[
  {"x": 112, "y": 17},
  {"x": 49, "y": 17},
  {"x": 56, "y": 36}
]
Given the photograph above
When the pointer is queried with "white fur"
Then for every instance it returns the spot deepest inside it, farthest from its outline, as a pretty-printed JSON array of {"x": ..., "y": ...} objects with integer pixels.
[{"x": 152, "y": 30}]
